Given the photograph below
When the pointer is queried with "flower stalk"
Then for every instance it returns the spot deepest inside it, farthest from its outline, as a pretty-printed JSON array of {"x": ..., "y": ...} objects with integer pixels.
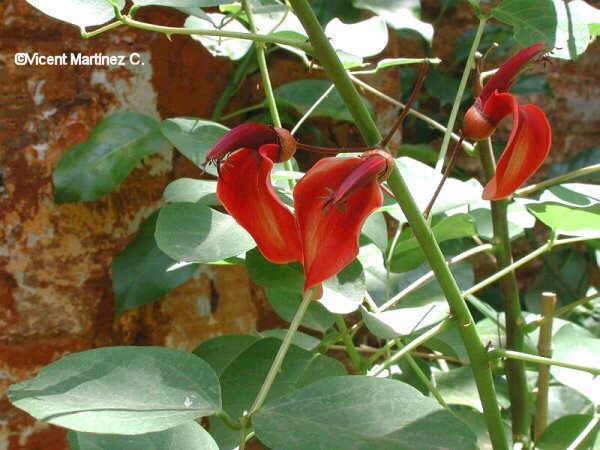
[{"x": 515, "y": 335}]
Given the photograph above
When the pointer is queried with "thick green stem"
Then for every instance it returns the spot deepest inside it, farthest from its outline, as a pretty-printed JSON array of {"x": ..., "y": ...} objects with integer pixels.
[
  {"x": 355, "y": 358},
  {"x": 234, "y": 83},
  {"x": 515, "y": 334},
  {"x": 459, "y": 95},
  {"x": 283, "y": 349},
  {"x": 479, "y": 364}
]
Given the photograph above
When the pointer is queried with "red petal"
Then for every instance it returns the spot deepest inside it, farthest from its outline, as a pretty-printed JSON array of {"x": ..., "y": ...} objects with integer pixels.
[
  {"x": 526, "y": 150},
  {"x": 330, "y": 234},
  {"x": 245, "y": 189},
  {"x": 251, "y": 135},
  {"x": 503, "y": 79}
]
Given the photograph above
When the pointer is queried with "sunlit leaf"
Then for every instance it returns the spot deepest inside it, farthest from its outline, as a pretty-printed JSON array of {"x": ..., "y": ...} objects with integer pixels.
[
  {"x": 83, "y": 13},
  {"x": 366, "y": 38},
  {"x": 231, "y": 48}
]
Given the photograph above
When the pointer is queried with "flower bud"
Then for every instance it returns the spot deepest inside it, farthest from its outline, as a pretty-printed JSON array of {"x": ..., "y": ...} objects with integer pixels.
[{"x": 476, "y": 125}]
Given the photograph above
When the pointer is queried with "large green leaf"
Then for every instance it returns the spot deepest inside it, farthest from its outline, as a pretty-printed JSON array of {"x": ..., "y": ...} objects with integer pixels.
[
  {"x": 221, "y": 351},
  {"x": 325, "y": 10},
  {"x": 95, "y": 167},
  {"x": 189, "y": 435},
  {"x": 301, "y": 95},
  {"x": 141, "y": 274},
  {"x": 576, "y": 345},
  {"x": 194, "y": 138},
  {"x": 243, "y": 378},
  {"x": 569, "y": 220},
  {"x": 83, "y": 13},
  {"x": 355, "y": 412},
  {"x": 193, "y": 232},
  {"x": 366, "y": 38},
  {"x": 123, "y": 390},
  {"x": 561, "y": 433},
  {"x": 532, "y": 21},
  {"x": 283, "y": 284},
  {"x": 190, "y": 190}
]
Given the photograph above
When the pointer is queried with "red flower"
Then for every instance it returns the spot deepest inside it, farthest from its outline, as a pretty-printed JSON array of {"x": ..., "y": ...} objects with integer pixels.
[
  {"x": 531, "y": 135},
  {"x": 244, "y": 188},
  {"x": 332, "y": 200}
]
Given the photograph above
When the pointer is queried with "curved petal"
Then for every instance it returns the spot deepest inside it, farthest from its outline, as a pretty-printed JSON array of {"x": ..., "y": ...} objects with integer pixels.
[
  {"x": 526, "y": 150},
  {"x": 503, "y": 79},
  {"x": 250, "y": 135},
  {"x": 244, "y": 187},
  {"x": 330, "y": 233}
]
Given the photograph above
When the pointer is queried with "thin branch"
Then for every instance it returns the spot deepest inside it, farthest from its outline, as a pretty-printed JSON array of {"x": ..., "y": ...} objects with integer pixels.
[
  {"x": 528, "y": 190},
  {"x": 312, "y": 108},
  {"x": 502, "y": 353}
]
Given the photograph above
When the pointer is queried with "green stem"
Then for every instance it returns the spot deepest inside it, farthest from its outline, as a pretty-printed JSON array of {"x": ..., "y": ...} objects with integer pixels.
[
  {"x": 528, "y": 190},
  {"x": 380, "y": 352},
  {"x": 111, "y": 26},
  {"x": 459, "y": 95},
  {"x": 427, "y": 382},
  {"x": 234, "y": 83},
  {"x": 419, "y": 115},
  {"x": 283, "y": 349},
  {"x": 228, "y": 420},
  {"x": 502, "y": 353},
  {"x": 429, "y": 275},
  {"x": 266, "y": 39},
  {"x": 241, "y": 111},
  {"x": 515, "y": 335},
  {"x": 560, "y": 312},
  {"x": 524, "y": 260},
  {"x": 415, "y": 343},
  {"x": 355, "y": 358},
  {"x": 479, "y": 364}
]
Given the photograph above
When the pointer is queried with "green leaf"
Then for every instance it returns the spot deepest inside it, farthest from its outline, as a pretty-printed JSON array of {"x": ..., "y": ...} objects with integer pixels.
[
  {"x": 518, "y": 218},
  {"x": 573, "y": 33},
  {"x": 122, "y": 390},
  {"x": 194, "y": 138},
  {"x": 302, "y": 340},
  {"x": 561, "y": 433},
  {"x": 189, "y": 190},
  {"x": 221, "y": 351},
  {"x": 475, "y": 420},
  {"x": 569, "y": 220},
  {"x": 575, "y": 345},
  {"x": 399, "y": 15},
  {"x": 92, "y": 169},
  {"x": 532, "y": 21},
  {"x": 186, "y": 436},
  {"x": 325, "y": 10},
  {"x": 301, "y": 95},
  {"x": 193, "y": 232},
  {"x": 408, "y": 254},
  {"x": 443, "y": 87},
  {"x": 231, "y": 48},
  {"x": 457, "y": 386},
  {"x": 243, "y": 378},
  {"x": 283, "y": 285},
  {"x": 366, "y": 38},
  {"x": 422, "y": 181},
  {"x": 375, "y": 229},
  {"x": 83, "y": 13},
  {"x": 355, "y": 412},
  {"x": 141, "y": 274},
  {"x": 573, "y": 194}
]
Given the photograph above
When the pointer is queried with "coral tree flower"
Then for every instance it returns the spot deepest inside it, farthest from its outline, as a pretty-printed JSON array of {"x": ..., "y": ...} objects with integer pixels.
[
  {"x": 332, "y": 200},
  {"x": 530, "y": 137},
  {"x": 245, "y": 190}
]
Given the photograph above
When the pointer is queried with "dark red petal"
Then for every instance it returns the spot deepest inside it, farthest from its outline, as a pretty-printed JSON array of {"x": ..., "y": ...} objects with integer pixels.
[
  {"x": 330, "y": 234},
  {"x": 526, "y": 150},
  {"x": 244, "y": 187},
  {"x": 251, "y": 135},
  {"x": 503, "y": 79}
]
